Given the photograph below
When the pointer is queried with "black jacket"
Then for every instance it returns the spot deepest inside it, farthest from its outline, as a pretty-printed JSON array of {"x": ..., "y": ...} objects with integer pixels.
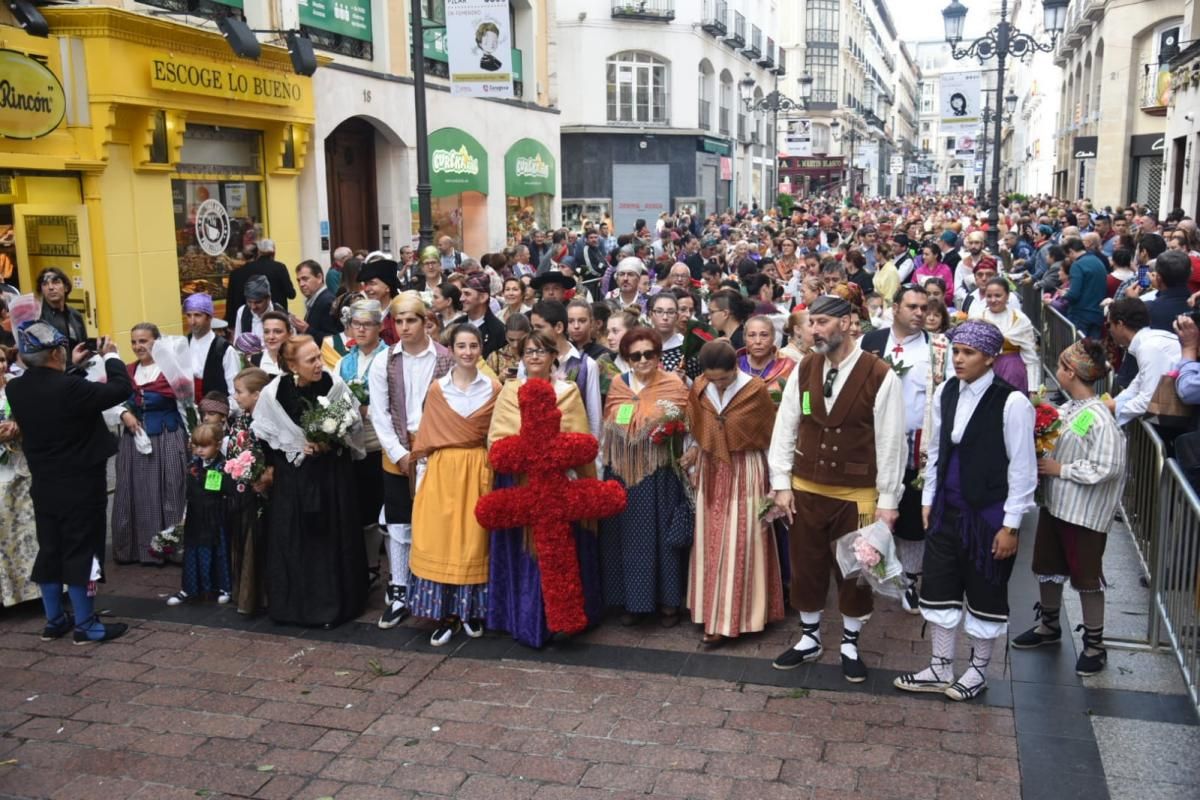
[
  {"x": 68, "y": 322},
  {"x": 276, "y": 274},
  {"x": 320, "y": 317},
  {"x": 875, "y": 341},
  {"x": 1166, "y": 306},
  {"x": 62, "y": 430},
  {"x": 492, "y": 330}
]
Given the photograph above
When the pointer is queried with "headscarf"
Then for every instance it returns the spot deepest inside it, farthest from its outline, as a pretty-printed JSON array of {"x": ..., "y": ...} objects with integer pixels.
[
  {"x": 979, "y": 335},
  {"x": 212, "y": 405},
  {"x": 1082, "y": 364},
  {"x": 257, "y": 288},
  {"x": 987, "y": 262},
  {"x": 363, "y": 310},
  {"x": 430, "y": 253},
  {"x": 248, "y": 344},
  {"x": 34, "y": 336},
  {"x": 198, "y": 302},
  {"x": 830, "y": 306},
  {"x": 479, "y": 282}
]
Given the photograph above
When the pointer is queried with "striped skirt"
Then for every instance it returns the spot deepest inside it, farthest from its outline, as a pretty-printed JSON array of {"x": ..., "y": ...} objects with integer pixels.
[{"x": 151, "y": 494}]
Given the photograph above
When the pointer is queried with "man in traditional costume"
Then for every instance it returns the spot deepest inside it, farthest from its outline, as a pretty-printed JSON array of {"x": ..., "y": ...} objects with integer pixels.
[
  {"x": 398, "y": 385},
  {"x": 837, "y": 463},
  {"x": 214, "y": 363},
  {"x": 979, "y": 482},
  {"x": 921, "y": 360}
]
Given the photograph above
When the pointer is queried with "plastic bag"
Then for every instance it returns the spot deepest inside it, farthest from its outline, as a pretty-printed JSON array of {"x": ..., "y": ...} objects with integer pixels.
[
  {"x": 870, "y": 554},
  {"x": 142, "y": 442},
  {"x": 173, "y": 356}
]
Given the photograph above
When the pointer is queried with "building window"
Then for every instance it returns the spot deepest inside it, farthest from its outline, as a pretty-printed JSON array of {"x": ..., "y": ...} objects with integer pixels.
[
  {"x": 949, "y": 142},
  {"x": 821, "y": 22},
  {"x": 822, "y": 64},
  {"x": 726, "y": 102},
  {"x": 637, "y": 89}
]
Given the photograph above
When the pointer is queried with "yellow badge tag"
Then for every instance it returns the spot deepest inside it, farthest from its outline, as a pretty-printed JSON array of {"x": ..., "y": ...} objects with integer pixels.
[
  {"x": 806, "y": 404},
  {"x": 624, "y": 413},
  {"x": 212, "y": 481},
  {"x": 1082, "y": 422}
]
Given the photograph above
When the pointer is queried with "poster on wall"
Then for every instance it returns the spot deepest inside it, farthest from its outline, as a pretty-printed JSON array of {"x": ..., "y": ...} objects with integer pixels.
[
  {"x": 964, "y": 147},
  {"x": 960, "y": 98},
  {"x": 640, "y": 191},
  {"x": 798, "y": 140},
  {"x": 479, "y": 39}
]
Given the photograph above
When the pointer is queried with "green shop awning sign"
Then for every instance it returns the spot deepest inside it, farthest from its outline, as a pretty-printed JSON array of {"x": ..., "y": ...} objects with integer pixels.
[
  {"x": 350, "y": 18},
  {"x": 529, "y": 169},
  {"x": 457, "y": 163}
]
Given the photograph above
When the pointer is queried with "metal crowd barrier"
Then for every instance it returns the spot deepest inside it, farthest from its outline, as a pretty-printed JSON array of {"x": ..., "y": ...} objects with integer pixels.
[
  {"x": 1031, "y": 303},
  {"x": 1145, "y": 459},
  {"x": 1175, "y": 580}
]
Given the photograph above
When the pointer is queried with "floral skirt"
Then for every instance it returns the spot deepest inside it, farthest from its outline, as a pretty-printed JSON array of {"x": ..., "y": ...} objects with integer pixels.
[
  {"x": 433, "y": 600},
  {"x": 18, "y": 539}
]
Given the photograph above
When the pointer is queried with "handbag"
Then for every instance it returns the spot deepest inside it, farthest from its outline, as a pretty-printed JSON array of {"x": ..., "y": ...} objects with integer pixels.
[{"x": 1166, "y": 409}]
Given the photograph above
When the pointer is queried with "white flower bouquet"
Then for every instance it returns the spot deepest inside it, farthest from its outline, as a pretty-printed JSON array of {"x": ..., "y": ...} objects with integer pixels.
[
  {"x": 870, "y": 554},
  {"x": 329, "y": 422}
]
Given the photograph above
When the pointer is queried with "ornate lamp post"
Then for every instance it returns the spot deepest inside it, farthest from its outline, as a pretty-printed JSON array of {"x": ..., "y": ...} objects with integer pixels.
[
  {"x": 773, "y": 103},
  {"x": 1000, "y": 43},
  {"x": 989, "y": 116},
  {"x": 852, "y": 136}
]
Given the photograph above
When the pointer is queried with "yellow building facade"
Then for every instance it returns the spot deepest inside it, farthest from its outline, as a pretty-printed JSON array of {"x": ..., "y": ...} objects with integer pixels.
[{"x": 170, "y": 158}]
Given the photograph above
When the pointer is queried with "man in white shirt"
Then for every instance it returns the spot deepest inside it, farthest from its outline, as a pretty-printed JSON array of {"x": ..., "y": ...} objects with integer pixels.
[
  {"x": 214, "y": 363},
  {"x": 1156, "y": 353},
  {"x": 964, "y": 270},
  {"x": 980, "y": 477},
  {"x": 837, "y": 463},
  {"x": 628, "y": 274},
  {"x": 397, "y": 386},
  {"x": 973, "y": 303},
  {"x": 921, "y": 360},
  {"x": 258, "y": 302}
]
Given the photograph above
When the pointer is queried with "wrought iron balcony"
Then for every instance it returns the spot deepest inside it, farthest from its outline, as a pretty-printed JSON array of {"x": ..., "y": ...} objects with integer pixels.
[
  {"x": 650, "y": 10},
  {"x": 754, "y": 48},
  {"x": 781, "y": 65},
  {"x": 768, "y": 55},
  {"x": 714, "y": 20},
  {"x": 738, "y": 37},
  {"x": 1154, "y": 89}
]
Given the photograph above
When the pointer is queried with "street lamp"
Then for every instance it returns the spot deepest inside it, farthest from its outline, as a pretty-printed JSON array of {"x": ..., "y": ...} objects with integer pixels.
[
  {"x": 852, "y": 136},
  {"x": 776, "y": 101},
  {"x": 1000, "y": 43}
]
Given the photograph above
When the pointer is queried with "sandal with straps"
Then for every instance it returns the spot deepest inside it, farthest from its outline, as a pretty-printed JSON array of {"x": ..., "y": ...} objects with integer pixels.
[
  {"x": 1032, "y": 638},
  {"x": 1093, "y": 639},
  {"x": 910, "y": 682},
  {"x": 853, "y": 669},
  {"x": 792, "y": 658},
  {"x": 960, "y": 691}
]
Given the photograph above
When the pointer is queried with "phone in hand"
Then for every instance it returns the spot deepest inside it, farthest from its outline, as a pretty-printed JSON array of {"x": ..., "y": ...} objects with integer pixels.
[
  {"x": 92, "y": 344},
  {"x": 1144, "y": 277}
]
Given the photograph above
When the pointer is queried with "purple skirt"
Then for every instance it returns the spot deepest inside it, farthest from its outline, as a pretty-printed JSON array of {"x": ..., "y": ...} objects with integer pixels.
[
  {"x": 1011, "y": 369},
  {"x": 515, "y": 582}
]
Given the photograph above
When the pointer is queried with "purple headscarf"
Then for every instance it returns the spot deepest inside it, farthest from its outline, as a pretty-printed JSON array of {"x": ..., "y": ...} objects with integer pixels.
[
  {"x": 198, "y": 302},
  {"x": 979, "y": 335},
  {"x": 248, "y": 344}
]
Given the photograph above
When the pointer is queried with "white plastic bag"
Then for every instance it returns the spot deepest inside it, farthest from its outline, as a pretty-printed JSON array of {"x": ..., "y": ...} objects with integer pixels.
[
  {"x": 173, "y": 356},
  {"x": 875, "y": 543},
  {"x": 141, "y": 440}
]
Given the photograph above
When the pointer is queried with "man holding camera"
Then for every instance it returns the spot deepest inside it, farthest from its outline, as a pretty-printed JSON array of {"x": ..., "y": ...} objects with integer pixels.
[{"x": 67, "y": 445}]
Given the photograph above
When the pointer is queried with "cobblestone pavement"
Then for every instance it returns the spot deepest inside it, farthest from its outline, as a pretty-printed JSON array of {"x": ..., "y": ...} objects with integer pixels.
[{"x": 179, "y": 711}]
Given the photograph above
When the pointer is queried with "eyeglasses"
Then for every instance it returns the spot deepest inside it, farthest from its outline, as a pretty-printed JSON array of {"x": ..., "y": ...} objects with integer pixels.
[
  {"x": 664, "y": 312},
  {"x": 536, "y": 351},
  {"x": 642, "y": 355},
  {"x": 829, "y": 379}
]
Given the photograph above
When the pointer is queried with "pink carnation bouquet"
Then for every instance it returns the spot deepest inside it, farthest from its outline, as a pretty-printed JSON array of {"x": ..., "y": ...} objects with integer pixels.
[{"x": 870, "y": 554}]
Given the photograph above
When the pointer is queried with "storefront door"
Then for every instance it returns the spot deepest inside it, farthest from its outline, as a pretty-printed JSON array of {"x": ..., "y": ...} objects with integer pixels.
[
  {"x": 350, "y": 176},
  {"x": 57, "y": 236}
]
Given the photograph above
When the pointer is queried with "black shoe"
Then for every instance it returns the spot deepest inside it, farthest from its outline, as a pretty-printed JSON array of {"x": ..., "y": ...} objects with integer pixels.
[
  {"x": 395, "y": 609},
  {"x": 792, "y": 658},
  {"x": 912, "y": 597},
  {"x": 853, "y": 669},
  {"x": 1093, "y": 639},
  {"x": 1031, "y": 639},
  {"x": 57, "y": 630},
  {"x": 629, "y": 619},
  {"x": 112, "y": 630},
  {"x": 444, "y": 632}
]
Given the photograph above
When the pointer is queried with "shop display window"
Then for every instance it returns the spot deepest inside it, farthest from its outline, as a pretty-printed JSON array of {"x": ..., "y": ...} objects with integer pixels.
[{"x": 526, "y": 213}]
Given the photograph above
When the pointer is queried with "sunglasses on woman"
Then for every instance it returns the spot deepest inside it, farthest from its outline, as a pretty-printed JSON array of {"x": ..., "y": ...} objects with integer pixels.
[{"x": 642, "y": 355}]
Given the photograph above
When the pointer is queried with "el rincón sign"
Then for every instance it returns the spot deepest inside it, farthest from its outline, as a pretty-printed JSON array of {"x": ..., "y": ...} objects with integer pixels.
[{"x": 32, "y": 101}]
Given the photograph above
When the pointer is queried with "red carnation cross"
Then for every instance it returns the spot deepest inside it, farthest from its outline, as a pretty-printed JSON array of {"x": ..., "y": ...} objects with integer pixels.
[{"x": 550, "y": 501}]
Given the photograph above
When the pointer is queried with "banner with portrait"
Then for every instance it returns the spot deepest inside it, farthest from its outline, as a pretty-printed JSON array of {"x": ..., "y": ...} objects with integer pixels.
[
  {"x": 961, "y": 102},
  {"x": 480, "y": 46}
]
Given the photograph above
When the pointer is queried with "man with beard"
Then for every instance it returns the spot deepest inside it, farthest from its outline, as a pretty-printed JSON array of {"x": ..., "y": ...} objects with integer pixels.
[
  {"x": 837, "y": 464},
  {"x": 964, "y": 271}
]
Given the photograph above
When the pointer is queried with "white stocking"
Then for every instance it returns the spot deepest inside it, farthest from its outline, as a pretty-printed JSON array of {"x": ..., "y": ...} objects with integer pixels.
[{"x": 399, "y": 545}]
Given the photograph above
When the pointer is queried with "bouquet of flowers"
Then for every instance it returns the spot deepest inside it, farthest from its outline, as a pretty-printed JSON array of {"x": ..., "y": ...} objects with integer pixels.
[
  {"x": 1047, "y": 427},
  {"x": 698, "y": 334},
  {"x": 670, "y": 428},
  {"x": 870, "y": 554},
  {"x": 328, "y": 422},
  {"x": 8, "y": 447},
  {"x": 768, "y": 512},
  {"x": 166, "y": 543},
  {"x": 359, "y": 390},
  {"x": 244, "y": 461}
]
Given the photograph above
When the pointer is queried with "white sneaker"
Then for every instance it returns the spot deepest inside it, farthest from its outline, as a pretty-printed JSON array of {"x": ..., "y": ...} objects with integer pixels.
[
  {"x": 473, "y": 628},
  {"x": 224, "y": 597},
  {"x": 177, "y": 599}
]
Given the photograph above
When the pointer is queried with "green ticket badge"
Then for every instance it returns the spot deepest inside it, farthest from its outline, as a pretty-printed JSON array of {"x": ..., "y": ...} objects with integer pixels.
[
  {"x": 624, "y": 413},
  {"x": 212, "y": 481},
  {"x": 1082, "y": 422},
  {"x": 806, "y": 404}
]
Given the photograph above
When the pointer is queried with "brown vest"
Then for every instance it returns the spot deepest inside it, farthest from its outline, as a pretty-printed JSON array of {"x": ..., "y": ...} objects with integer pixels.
[{"x": 838, "y": 448}]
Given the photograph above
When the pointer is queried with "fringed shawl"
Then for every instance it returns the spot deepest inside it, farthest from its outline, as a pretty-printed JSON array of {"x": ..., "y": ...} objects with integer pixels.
[
  {"x": 745, "y": 424},
  {"x": 441, "y": 426},
  {"x": 506, "y": 417},
  {"x": 627, "y": 449}
]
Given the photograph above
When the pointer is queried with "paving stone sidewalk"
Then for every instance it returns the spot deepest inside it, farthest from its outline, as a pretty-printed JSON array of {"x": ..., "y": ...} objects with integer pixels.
[{"x": 182, "y": 711}]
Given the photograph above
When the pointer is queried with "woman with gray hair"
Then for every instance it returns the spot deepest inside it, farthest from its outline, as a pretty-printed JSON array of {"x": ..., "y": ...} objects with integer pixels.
[{"x": 151, "y": 459}]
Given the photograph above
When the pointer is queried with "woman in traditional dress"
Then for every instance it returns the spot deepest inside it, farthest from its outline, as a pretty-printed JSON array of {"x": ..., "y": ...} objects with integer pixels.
[
  {"x": 316, "y": 561},
  {"x": 151, "y": 489},
  {"x": 18, "y": 534},
  {"x": 645, "y": 547},
  {"x": 788, "y": 260},
  {"x": 664, "y": 313},
  {"x": 761, "y": 359},
  {"x": 799, "y": 336},
  {"x": 276, "y": 330},
  {"x": 335, "y": 346},
  {"x": 1018, "y": 364},
  {"x": 734, "y": 584},
  {"x": 611, "y": 364},
  {"x": 514, "y": 578},
  {"x": 449, "y": 559},
  {"x": 506, "y": 361},
  {"x": 247, "y": 523}
]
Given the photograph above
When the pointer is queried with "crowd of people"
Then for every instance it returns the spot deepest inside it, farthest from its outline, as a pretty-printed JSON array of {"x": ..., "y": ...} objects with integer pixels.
[{"x": 762, "y": 385}]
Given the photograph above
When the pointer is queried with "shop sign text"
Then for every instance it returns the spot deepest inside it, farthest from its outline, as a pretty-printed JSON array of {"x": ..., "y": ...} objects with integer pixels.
[
  {"x": 233, "y": 82},
  {"x": 32, "y": 101},
  {"x": 534, "y": 167},
  {"x": 455, "y": 162}
]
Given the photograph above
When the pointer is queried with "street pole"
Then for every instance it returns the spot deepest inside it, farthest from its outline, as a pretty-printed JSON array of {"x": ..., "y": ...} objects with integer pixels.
[
  {"x": 1002, "y": 32},
  {"x": 424, "y": 187},
  {"x": 984, "y": 143}
]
